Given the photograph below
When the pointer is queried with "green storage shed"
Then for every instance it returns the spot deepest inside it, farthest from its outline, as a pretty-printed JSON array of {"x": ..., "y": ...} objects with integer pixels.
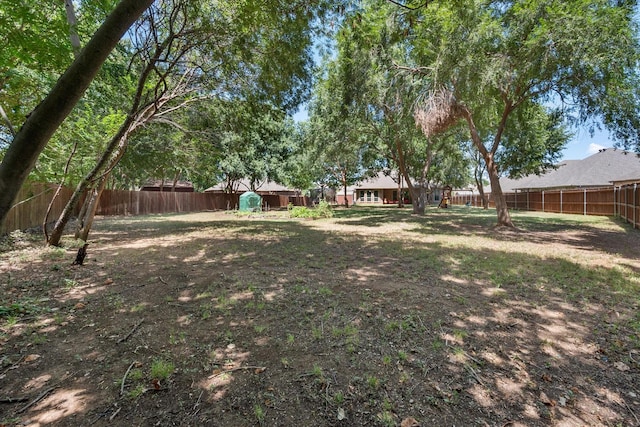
[{"x": 250, "y": 202}]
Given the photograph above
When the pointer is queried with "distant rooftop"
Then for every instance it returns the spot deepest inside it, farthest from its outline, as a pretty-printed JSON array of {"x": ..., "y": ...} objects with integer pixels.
[{"x": 598, "y": 170}]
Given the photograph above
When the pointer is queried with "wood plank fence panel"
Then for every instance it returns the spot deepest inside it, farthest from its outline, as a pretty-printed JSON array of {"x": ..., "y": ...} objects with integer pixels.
[
  {"x": 627, "y": 201},
  {"x": 31, "y": 206},
  {"x": 623, "y": 201}
]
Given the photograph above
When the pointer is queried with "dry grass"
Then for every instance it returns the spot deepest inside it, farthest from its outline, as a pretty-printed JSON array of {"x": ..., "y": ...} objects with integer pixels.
[{"x": 368, "y": 318}]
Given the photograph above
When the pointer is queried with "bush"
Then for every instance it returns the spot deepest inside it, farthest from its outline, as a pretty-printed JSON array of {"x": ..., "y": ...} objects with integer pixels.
[{"x": 323, "y": 210}]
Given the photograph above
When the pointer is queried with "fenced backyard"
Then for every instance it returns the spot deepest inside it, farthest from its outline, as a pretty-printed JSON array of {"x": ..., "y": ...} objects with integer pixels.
[
  {"x": 33, "y": 201},
  {"x": 622, "y": 201},
  {"x": 34, "y": 198}
]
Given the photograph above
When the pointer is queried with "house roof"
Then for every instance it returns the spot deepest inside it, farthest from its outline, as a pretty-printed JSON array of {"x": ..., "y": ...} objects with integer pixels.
[
  {"x": 598, "y": 170},
  {"x": 378, "y": 182}
]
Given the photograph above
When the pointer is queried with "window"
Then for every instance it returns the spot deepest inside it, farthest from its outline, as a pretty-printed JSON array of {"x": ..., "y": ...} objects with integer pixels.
[
  {"x": 369, "y": 196},
  {"x": 375, "y": 196}
]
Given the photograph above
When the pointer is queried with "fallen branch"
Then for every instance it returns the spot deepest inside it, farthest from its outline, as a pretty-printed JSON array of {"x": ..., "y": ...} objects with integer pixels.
[
  {"x": 13, "y": 399},
  {"x": 258, "y": 369},
  {"x": 37, "y": 399},
  {"x": 126, "y": 337},
  {"x": 124, "y": 379},
  {"x": 475, "y": 375},
  {"x": 632, "y": 413},
  {"x": 160, "y": 277},
  {"x": 14, "y": 366},
  {"x": 114, "y": 414}
]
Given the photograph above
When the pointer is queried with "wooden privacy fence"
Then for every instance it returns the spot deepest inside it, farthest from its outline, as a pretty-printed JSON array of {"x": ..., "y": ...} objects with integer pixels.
[
  {"x": 34, "y": 199},
  {"x": 623, "y": 201},
  {"x": 31, "y": 206},
  {"x": 627, "y": 201}
]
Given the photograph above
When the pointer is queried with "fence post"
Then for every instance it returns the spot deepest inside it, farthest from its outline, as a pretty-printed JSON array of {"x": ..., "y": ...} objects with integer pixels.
[
  {"x": 584, "y": 197},
  {"x": 560, "y": 201},
  {"x": 542, "y": 200},
  {"x": 635, "y": 205}
]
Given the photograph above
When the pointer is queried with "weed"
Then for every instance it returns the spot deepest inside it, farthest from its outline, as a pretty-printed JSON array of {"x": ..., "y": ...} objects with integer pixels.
[
  {"x": 38, "y": 339},
  {"x": 205, "y": 311},
  {"x": 290, "y": 339},
  {"x": 136, "y": 392},
  {"x": 161, "y": 369},
  {"x": 136, "y": 374},
  {"x": 373, "y": 382},
  {"x": 203, "y": 295},
  {"x": 316, "y": 333},
  {"x": 338, "y": 398},
  {"x": 402, "y": 355},
  {"x": 437, "y": 344},
  {"x": 459, "y": 334},
  {"x": 70, "y": 284},
  {"x": 317, "y": 372},
  {"x": 386, "y": 419},
  {"x": 258, "y": 411},
  {"x": 137, "y": 308},
  {"x": 177, "y": 339},
  {"x": 259, "y": 328},
  {"x": 325, "y": 292},
  {"x": 11, "y": 321},
  {"x": 386, "y": 360}
]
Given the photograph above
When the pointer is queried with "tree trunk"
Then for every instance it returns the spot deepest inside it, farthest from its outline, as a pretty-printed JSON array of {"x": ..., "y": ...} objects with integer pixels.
[
  {"x": 483, "y": 196},
  {"x": 419, "y": 199},
  {"x": 112, "y": 154},
  {"x": 504, "y": 219},
  {"x": 346, "y": 201},
  {"x": 91, "y": 203},
  {"x": 400, "y": 197},
  {"x": 43, "y": 121}
]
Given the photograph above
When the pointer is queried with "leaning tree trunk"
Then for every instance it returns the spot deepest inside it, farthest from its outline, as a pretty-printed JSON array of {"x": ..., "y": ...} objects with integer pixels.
[
  {"x": 90, "y": 207},
  {"x": 45, "y": 119},
  {"x": 115, "y": 149}
]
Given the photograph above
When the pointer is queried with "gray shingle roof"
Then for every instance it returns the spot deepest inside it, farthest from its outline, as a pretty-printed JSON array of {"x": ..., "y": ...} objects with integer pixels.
[{"x": 597, "y": 170}]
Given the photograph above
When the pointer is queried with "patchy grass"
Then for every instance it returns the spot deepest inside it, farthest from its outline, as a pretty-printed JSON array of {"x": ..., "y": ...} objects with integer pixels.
[{"x": 370, "y": 317}]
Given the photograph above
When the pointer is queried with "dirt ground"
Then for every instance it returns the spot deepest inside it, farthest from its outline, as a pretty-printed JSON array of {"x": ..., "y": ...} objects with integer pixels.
[{"x": 373, "y": 317}]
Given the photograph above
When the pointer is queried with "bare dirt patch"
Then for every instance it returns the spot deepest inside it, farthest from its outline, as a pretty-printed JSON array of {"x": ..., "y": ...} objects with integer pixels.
[{"x": 374, "y": 317}]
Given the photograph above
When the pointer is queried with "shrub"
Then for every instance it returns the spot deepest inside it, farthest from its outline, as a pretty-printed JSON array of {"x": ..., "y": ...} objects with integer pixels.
[{"x": 323, "y": 210}]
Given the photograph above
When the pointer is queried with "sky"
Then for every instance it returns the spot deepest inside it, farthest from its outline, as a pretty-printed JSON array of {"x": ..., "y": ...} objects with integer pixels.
[{"x": 583, "y": 145}]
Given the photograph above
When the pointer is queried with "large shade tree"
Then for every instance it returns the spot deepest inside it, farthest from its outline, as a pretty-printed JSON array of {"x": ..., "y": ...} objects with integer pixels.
[
  {"x": 29, "y": 141},
  {"x": 489, "y": 62}
]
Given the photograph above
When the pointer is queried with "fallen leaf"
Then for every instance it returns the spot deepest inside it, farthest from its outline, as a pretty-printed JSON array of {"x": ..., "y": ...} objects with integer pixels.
[
  {"x": 31, "y": 358},
  {"x": 410, "y": 422},
  {"x": 341, "y": 414},
  {"x": 546, "y": 377},
  {"x": 79, "y": 306},
  {"x": 260, "y": 370},
  {"x": 544, "y": 399},
  {"x": 621, "y": 366},
  {"x": 156, "y": 384},
  {"x": 107, "y": 282}
]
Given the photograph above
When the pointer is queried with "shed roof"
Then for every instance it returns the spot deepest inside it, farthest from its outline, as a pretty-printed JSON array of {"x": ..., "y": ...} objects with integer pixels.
[{"x": 598, "y": 170}]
